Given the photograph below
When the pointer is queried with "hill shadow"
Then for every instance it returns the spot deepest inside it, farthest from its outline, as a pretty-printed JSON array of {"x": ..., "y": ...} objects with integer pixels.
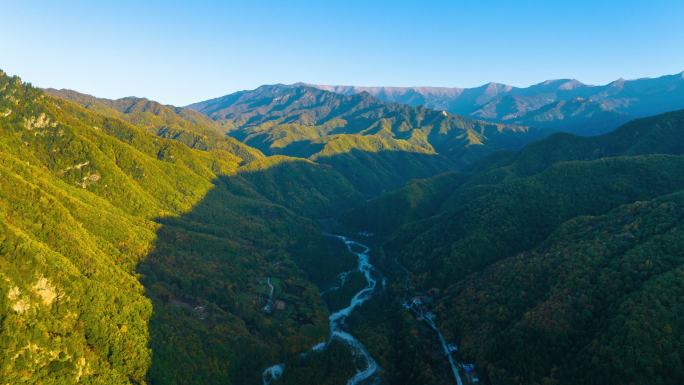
[
  {"x": 208, "y": 278},
  {"x": 234, "y": 282}
]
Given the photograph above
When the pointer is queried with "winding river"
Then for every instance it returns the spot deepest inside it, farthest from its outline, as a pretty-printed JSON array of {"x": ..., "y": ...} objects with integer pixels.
[
  {"x": 336, "y": 320},
  {"x": 370, "y": 373}
]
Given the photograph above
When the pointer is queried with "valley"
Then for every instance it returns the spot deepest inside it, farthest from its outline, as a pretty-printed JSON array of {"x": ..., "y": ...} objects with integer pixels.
[
  {"x": 342, "y": 193},
  {"x": 478, "y": 251},
  {"x": 369, "y": 373}
]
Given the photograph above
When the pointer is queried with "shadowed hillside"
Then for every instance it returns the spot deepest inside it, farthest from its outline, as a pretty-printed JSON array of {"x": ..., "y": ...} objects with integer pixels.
[
  {"x": 128, "y": 257},
  {"x": 557, "y": 264},
  {"x": 208, "y": 277}
]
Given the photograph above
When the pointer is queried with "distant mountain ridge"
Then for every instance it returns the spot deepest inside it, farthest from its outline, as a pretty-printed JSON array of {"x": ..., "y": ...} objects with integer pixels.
[
  {"x": 584, "y": 109},
  {"x": 359, "y": 133},
  {"x": 275, "y": 117}
]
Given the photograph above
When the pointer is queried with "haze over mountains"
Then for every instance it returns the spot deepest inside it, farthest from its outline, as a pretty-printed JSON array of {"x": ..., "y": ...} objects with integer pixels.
[
  {"x": 562, "y": 104},
  {"x": 143, "y": 243}
]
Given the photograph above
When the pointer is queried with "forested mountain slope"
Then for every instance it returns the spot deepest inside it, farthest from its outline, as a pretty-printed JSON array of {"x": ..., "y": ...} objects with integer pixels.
[
  {"x": 360, "y": 132},
  {"x": 114, "y": 241},
  {"x": 597, "y": 302},
  {"x": 141, "y": 245},
  {"x": 278, "y": 118},
  {"x": 654, "y": 135},
  {"x": 182, "y": 124},
  {"x": 560, "y": 104},
  {"x": 558, "y": 264}
]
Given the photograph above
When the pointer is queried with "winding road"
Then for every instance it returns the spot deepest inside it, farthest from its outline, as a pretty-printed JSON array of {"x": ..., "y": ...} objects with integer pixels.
[
  {"x": 415, "y": 306},
  {"x": 269, "y": 304}
]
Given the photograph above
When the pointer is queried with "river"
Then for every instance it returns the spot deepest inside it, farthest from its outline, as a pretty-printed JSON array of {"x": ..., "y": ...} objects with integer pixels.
[
  {"x": 336, "y": 320},
  {"x": 370, "y": 374}
]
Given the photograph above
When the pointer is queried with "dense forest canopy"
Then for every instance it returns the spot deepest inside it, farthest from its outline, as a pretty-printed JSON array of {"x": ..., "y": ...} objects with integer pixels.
[{"x": 143, "y": 243}]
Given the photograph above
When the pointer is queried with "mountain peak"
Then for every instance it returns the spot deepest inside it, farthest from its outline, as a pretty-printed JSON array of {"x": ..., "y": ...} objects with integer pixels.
[
  {"x": 618, "y": 83},
  {"x": 560, "y": 84},
  {"x": 571, "y": 84},
  {"x": 493, "y": 89}
]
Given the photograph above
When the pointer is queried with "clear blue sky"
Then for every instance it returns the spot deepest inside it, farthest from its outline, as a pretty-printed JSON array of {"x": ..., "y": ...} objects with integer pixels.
[{"x": 182, "y": 52}]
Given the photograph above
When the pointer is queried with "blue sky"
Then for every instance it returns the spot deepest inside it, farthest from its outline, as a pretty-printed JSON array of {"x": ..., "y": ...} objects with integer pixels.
[{"x": 182, "y": 52}]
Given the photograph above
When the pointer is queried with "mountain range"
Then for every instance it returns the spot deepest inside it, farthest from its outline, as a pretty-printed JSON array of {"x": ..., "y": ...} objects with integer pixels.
[
  {"x": 143, "y": 243},
  {"x": 561, "y": 104},
  {"x": 305, "y": 121}
]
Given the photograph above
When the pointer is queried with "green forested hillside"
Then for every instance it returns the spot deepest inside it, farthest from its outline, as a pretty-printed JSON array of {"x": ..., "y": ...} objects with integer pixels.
[
  {"x": 372, "y": 143},
  {"x": 597, "y": 302},
  {"x": 486, "y": 223},
  {"x": 556, "y": 265},
  {"x": 283, "y": 119},
  {"x": 141, "y": 245},
  {"x": 181, "y": 124},
  {"x": 655, "y": 135},
  {"x": 126, "y": 257}
]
